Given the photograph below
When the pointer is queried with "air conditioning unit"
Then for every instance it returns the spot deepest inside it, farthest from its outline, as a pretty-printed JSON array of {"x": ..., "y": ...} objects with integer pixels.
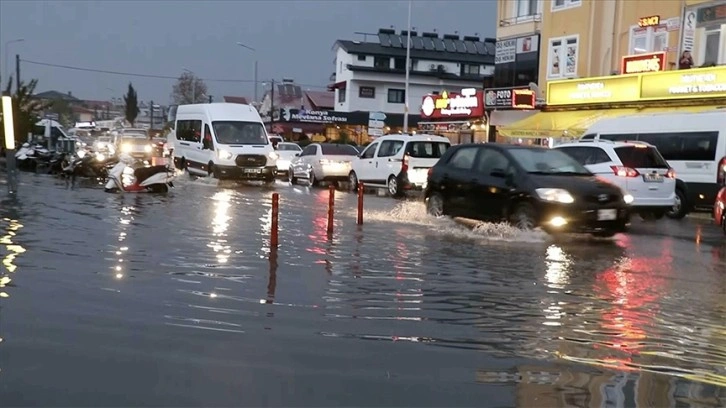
[
  {"x": 441, "y": 68},
  {"x": 432, "y": 67}
]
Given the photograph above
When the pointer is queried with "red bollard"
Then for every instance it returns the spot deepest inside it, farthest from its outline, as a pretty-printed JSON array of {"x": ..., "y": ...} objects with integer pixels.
[
  {"x": 275, "y": 213},
  {"x": 360, "y": 203},
  {"x": 331, "y": 207}
]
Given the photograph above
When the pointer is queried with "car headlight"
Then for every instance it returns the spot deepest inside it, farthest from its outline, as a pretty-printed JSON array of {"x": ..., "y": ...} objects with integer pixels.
[
  {"x": 224, "y": 155},
  {"x": 273, "y": 155},
  {"x": 81, "y": 153},
  {"x": 555, "y": 195},
  {"x": 126, "y": 148},
  {"x": 100, "y": 157},
  {"x": 628, "y": 198},
  {"x": 148, "y": 148}
]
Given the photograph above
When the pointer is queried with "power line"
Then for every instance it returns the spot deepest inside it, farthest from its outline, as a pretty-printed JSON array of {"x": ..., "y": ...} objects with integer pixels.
[{"x": 134, "y": 74}]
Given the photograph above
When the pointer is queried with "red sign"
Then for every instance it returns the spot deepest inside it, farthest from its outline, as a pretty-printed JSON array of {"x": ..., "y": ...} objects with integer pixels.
[
  {"x": 523, "y": 99},
  {"x": 637, "y": 64},
  {"x": 467, "y": 104}
]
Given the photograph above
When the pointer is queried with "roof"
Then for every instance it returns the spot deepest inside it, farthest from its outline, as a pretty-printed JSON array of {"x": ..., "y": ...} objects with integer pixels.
[
  {"x": 235, "y": 99},
  {"x": 427, "y": 47},
  {"x": 57, "y": 95},
  {"x": 320, "y": 99},
  {"x": 79, "y": 109}
]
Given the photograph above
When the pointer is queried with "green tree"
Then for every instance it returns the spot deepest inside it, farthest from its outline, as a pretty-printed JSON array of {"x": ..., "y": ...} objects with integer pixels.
[
  {"x": 26, "y": 110},
  {"x": 132, "y": 105}
]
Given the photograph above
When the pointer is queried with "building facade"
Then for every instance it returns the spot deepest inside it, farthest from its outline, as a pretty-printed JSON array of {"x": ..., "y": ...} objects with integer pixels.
[
  {"x": 370, "y": 76},
  {"x": 519, "y": 23}
]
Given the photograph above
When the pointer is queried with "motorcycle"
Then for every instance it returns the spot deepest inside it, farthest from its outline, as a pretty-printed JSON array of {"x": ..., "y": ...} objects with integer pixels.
[
  {"x": 87, "y": 164},
  {"x": 123, "y": 177}
]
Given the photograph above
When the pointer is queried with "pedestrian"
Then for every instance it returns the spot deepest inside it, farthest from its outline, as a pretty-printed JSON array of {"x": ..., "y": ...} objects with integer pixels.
[{"x": 686, "y": 60}]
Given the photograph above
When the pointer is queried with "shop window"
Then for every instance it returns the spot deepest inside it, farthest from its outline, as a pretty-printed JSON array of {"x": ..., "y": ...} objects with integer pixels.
[
  {"x": 396, "y": 96},
  {"x": 468, "y": 69},
  {"x": 565, "y": 4},
  {"x": 361, "y": 57},
  {"x": 382, "y": 62},
  {"x": 341, "y": 95},
  {"x": 368, "y": 92},
  {"x": 648, "y": 39},
  {"x": 563, "y": 54}
]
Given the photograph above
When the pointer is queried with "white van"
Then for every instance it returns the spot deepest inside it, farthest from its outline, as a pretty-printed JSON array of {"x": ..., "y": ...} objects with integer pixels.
[
  {"x": 224, "y": 140},
  {"x": 694, "y": 145}
]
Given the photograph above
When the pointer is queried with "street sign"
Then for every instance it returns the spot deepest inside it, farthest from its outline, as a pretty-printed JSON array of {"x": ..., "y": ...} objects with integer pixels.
[
  {"x": 377, "y": 116},
  {"x": 375, "y": 132},
  {"x": 52, "y": 116},
  {"x": 378, "y": 124}
]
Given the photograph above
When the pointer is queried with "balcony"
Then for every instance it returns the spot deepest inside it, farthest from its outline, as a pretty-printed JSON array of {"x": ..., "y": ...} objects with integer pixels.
[{"x": 533, "y": 18}]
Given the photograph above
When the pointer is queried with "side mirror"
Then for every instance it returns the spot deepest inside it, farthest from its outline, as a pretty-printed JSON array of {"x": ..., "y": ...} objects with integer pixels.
[
  {"x": 297, "y": 154},
  {"x": 499, "y": 173}
]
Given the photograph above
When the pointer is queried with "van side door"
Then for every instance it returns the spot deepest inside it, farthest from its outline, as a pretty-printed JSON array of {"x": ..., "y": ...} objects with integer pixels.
[
  {"x": 388, "y": 161},
  {"x": 189, "y": 138},
  {"x": 365, "y": 166}
]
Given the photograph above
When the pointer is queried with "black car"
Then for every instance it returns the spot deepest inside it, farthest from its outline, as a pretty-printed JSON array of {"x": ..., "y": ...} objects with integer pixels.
[{"x": 527, "y": 186}]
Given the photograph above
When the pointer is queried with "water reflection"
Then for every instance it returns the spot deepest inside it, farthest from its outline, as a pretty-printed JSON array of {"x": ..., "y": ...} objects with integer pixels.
[
  {"x": 120, "y": 270},
  {"x": 220, "y": 224},
  {"x": 11, "y": 246},
  {"x": 272, "y": 277}
]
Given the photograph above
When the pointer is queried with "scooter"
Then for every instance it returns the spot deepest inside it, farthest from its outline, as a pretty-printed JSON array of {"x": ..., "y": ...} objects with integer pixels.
[{"x": 123, "y": 177}]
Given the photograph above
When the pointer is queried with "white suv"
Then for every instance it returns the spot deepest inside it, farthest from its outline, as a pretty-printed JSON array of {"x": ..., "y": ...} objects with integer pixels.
[
  {"x": 397, "y": 162},
  {"x": 636, "y": 167}
]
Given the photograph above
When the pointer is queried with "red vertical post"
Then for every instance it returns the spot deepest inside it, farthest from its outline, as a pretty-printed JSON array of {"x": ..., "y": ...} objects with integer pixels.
[
  {"x": 275, "y": 214},
  {"x": 360, "y": 203},
  {"x": 331, "y": 207}
]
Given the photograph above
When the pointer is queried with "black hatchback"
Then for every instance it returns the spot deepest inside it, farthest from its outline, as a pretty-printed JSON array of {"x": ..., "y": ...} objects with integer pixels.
[{"x": 527, "y": 186}]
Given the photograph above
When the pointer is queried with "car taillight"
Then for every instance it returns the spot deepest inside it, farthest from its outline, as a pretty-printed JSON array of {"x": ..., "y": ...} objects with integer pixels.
[
  {"x": 721, "y": 171},
  {"x": 621, "y": 171},
  {"x": 671, "y": 174},
  {"x": 431, "y": 171},
  {"x": 404, "y": 164}
]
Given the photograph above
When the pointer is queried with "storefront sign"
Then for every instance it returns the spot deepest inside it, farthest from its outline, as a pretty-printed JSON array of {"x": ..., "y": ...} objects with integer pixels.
[
  {"x": 596, "y": 90},
  {"x": 523, "y": 99},
  {"x": 297, "y": 115},
  {"x": 692, "y": 83},
  {"x": 636, "y": 64},
  {"x": 467, "y": 104},
  {"x": 509, "y": 98},
  {"x": 649, "y": 21},
  {"x": 505, "y": 51},
  {"x": 711, "y": 14}
]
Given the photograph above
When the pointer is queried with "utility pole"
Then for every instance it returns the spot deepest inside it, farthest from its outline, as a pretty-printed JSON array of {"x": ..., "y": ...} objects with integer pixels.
[
  {"x": 211, "y": 98},
  {"x": 408, "y": 61},
  {"x": 255, "y": 81},
  {"x": 151, "y": 115},
  {"x": 272, "y": 105},
  {"x": 17, "y": 72}
]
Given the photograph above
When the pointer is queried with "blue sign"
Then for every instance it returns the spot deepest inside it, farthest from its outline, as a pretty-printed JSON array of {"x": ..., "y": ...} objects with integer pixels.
[{"x": 377, "y": 116}]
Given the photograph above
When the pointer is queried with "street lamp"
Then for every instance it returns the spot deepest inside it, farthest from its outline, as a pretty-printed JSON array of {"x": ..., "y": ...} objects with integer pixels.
[
  {"x": 7, "y": 45},
  {"x": 255, "y": 70},
  {"x": 408, "y": 64},
  {"x": 194, "y": 84}
]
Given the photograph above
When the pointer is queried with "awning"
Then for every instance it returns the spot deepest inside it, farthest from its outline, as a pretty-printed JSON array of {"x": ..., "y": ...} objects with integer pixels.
[
  {"x": 689, "y": 109},
  {"x": 506, "y": 117},
  {"x": 558, "y": 124}
]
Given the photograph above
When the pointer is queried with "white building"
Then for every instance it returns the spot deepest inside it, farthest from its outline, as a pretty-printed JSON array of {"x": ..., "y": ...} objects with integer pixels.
[{"x": 370, "y": 76}]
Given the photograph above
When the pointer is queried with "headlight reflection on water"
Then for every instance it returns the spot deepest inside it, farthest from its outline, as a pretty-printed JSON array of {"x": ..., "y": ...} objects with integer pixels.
[{"x": 13, "y": 250}]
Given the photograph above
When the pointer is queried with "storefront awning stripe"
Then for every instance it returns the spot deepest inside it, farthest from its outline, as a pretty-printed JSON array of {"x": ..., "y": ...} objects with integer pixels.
[
  {"x": 681, "y": 109},
  {"x": 507, "y": 117},
  {"x": 552, "y": 124}
]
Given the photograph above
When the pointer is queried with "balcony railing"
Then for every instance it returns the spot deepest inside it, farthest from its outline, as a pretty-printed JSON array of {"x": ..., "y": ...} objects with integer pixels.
[{"x": 536, "y": 18}]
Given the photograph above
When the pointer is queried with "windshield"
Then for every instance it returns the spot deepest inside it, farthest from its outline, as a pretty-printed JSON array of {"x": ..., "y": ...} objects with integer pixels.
[
  {"x": 339, "y": 150},
  {"x": 134, "y": 140},
  {"x": 427, "y": 150},
  {"x": 641, "y": 157},
  {"x": 239, "y": 133},
  {"x": 547, "y": 161},
  {"x": 288, "y": 147}
]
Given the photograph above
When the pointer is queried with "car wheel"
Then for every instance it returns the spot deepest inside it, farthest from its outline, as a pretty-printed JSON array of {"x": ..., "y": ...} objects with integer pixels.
[
  {"x": 291, "y": 176},
  {"x": 435, "y": 205},
  {"x": 604, "y": 234},
  {"x": 523, "y": 217},
  {"x": 210, "y": 169},
  {"x": 679, "y": 208},
  {"x": 313, "y": 180},
  {"x": 353, "y": 181},
  {"x": 393, "y": 189}
]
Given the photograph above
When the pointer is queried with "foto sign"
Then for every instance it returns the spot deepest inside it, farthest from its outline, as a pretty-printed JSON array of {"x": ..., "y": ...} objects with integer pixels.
[
  {"x": 640, "y": 63},
  {"x": 467, "y": 104},
  {"x": 509, "y": 98},
  {"x": 622, "y": 88}
]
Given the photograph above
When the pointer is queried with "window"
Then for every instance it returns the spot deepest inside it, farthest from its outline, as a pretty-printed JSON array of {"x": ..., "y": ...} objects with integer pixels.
[
  {"x": 399, "y": 63},
  {"x": 341, "y": 95},
  {"x": 288, "y": 147},
  {"x": 463, "y": 159},
  {"x": 684, "y": 146},
  {"x": 587, "y": 155},
  {"x": 390, "y": 148},
  {"x": 361, "y": 57},
  {"x": 396, "y": 96},
  {"x": 621, "y": 137},
  {"x": 526, "y": 8},
  {"x": 368, "y": 92},
  {"x": 382, "y": 62},
  {"x": 338, "y": 150},
  {"x": 240, "y": 133},
  {"x": 547, "y": 161},
  {"x": 565, "y": 4},
  {"x": 563, "y": 54},
  {"x": 369, "y": 152},
  {"x": 427, "y": 150},
  {"x": 189, "y": 130},
  {"x": 712, "y": 45},
  {"x": 310, "y": 151},
  {"x": 490, "y": 160},
  {"x": 641, "y": 158},
  {"x": 648, "y": 39},
  {"x": 467, "y": 69}
]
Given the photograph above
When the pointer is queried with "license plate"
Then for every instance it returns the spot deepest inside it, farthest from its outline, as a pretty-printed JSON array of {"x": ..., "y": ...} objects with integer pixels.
[
  {"x": 652, "y": 178},
  {"x": 607, "y": 215},
  {"x": 253, "y": 171}
]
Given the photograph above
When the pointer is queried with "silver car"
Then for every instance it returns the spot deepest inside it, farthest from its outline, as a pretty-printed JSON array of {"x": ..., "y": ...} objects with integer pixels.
[{"x": 323, "y": 162}]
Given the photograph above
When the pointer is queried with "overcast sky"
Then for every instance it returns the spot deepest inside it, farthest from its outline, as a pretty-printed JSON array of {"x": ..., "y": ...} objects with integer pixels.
[{"x": 292, "y": 39}]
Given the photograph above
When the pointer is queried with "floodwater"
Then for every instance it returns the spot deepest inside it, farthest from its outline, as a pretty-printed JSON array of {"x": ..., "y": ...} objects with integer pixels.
[{"x": 178, "y": 300}]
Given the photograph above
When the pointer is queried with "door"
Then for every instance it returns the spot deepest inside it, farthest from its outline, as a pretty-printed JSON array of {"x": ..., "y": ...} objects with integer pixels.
[
  {"x": 189, "y": 137},
  {"x": 493, "y": 181},
  {"x": 299, "y": 165},
  {"x": 387, "y": 162},
  {"x": 457, "y": 182},
  {"x": 207, "y": 147},
  {"x": 364, "y": 167}
]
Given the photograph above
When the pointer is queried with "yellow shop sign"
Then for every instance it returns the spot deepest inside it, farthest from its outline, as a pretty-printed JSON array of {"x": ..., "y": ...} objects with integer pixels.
[
  {"x": 683, "y": 84},
  {"x": 622, "y": 88}
]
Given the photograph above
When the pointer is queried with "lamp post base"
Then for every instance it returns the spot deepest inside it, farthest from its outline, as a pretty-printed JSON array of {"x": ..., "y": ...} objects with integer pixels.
[{"x": 11, "y": 169}]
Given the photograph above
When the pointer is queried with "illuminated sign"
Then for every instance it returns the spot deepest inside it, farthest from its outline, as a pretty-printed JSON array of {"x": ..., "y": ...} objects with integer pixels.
[
  {"x": 509, "y": 98},
  {"x": 649, "y": 21},
  {"x": 467, "y": 104},
  {"x": 596, "y": 90},
  {"x": 523, "y": 99},
  {"x": 692, "y": 83},
  {"x": 636, "y": 64}
]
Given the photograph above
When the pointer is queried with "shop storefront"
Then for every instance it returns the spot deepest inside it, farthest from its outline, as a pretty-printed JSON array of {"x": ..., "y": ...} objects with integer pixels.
[
  {"x": 458, "y": 116},
  {"x": 574, "y": 105},
  {"x": 508, "y": 105}
]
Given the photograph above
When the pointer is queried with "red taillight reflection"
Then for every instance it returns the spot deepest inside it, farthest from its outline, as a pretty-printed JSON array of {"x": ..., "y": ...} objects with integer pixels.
[
  {"x": 404, "y": 163},
  {"x": 431, "y": 171},
  {"x": 622, "y": 171},
  {"x": 721, "y": 171}
]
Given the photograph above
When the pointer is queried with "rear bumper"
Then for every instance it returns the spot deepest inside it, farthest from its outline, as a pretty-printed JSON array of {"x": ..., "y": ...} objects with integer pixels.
[
  {"x": 411, "y": 185},
  {"x": 333, "y": 173},
  {"x": 246, "y": 173},
  {"x": 583, "y": 219}
]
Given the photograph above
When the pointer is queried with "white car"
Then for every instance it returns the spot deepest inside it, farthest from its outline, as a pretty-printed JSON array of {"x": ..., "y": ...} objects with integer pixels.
[
  {"x": 322, "y": 162},
  {"x": 636, "y": 167},
  {"x": 398, "y": 162},
  {"x": 286, "y": 152}
]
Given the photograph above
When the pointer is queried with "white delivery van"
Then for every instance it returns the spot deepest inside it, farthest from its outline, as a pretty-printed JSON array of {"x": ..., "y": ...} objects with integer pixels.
[
  {"x": 694, "y": 144},
  {"x": 224, "y": 140}
]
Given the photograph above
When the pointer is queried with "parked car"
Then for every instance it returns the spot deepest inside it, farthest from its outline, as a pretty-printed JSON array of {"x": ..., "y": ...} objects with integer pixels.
[
  {"x": 286, "y": 152},
  {"x": 527, "y": 186},
  {"x": 322, "y": 162},
  {"x": 636, "y": 167},
  {"x": 275, "y": 139},
  {"x": 398, "y": 163}
]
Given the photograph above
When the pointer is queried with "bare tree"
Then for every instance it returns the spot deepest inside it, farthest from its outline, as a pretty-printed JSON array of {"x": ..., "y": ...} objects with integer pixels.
[{"x": 189, "y": 89}]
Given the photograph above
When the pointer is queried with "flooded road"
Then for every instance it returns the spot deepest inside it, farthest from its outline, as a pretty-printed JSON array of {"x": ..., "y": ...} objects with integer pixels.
[{"x": 178, "y": 300}]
